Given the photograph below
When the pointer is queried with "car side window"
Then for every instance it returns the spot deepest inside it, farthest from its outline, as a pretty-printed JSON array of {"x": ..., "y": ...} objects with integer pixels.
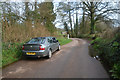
[
  {"x": 49, "y": 40},
  {"x": 54, "y": 39}
]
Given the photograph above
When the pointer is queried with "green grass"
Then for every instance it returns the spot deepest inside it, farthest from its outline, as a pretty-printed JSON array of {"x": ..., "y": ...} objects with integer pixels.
[
  {"x": 63, "y": 41},
  {"x": 12, "y": 52}
]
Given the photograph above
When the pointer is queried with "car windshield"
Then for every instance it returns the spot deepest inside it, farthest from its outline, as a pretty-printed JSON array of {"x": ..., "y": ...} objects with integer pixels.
[{"x": 37, "y": 40}]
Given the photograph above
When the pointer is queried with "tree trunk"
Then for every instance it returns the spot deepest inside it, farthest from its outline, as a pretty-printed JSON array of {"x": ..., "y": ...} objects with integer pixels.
[
  {"x": 83, "y": 19},
  {"x": 76, "y": 24},
  {"x": 92, "y": 19},
  {"x": 70, "y": 23},
  {"x": 92, "y": 26}
]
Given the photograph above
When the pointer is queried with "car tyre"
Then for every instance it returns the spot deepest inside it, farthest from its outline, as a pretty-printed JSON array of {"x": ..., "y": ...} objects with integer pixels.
[{"x": 49, "y": 54}]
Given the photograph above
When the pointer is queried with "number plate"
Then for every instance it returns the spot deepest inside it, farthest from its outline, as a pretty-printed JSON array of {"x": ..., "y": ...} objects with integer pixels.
[{"x": 30, "y": 53}]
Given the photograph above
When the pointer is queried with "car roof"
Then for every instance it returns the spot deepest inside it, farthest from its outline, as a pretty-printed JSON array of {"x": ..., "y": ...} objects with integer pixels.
[{"x": 44, "y": 37}]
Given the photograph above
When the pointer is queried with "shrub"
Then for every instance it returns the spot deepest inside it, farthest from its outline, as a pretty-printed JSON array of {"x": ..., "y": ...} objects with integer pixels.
[
  {"x": 109, "y": 52},
  {"x": 116, "y": 71}
]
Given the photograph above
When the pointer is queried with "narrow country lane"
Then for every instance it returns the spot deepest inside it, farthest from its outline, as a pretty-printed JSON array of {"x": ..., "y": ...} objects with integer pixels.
[{"x": 72, "y": 61}]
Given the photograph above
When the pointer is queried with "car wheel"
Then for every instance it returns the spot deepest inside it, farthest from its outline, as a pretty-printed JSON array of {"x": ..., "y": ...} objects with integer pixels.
[
  {"x": 49, "y": 54},
  {"x": 58, "y": 48}
]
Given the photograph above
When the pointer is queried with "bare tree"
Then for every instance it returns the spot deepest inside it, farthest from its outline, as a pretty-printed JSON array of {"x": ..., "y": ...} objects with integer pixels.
[
  {"x": 98, "y": 11},
  {"x": 66, "y": 10}
]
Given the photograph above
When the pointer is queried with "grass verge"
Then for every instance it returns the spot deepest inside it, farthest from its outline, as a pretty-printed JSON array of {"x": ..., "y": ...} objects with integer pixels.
[
  {"x": 63, "y": 41},
  {"x": 11, "y": 52}
]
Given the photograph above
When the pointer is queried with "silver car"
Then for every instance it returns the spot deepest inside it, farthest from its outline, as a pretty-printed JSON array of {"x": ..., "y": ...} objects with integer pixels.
[{"x": 41, "y": 47}]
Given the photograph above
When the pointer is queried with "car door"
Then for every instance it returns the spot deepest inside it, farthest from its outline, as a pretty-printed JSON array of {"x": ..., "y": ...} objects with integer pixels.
[
  {"x": 55, "y": 43},
  {"x": 51, "y": 45}
]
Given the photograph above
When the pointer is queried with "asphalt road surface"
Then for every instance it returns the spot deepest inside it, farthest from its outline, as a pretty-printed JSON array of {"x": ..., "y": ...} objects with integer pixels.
[{"x": 72, "y": 61}]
